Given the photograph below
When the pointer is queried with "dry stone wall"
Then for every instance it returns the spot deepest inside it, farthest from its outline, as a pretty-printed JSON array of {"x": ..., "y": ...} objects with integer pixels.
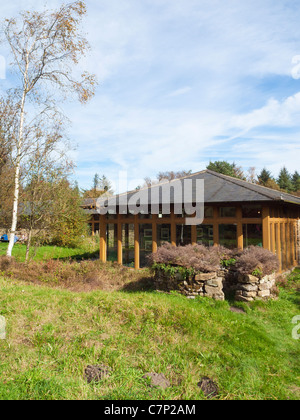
[
  {"x": 250, "y": 288},
  {"x": 216, "y": 285}
]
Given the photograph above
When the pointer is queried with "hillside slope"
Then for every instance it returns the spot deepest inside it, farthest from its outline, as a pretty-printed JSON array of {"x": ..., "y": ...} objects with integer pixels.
[{"x": 52, "y": 335}]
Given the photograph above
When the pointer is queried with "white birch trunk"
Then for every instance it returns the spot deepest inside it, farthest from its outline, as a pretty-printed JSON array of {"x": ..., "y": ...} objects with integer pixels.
[{"x": 17, "y": 174}]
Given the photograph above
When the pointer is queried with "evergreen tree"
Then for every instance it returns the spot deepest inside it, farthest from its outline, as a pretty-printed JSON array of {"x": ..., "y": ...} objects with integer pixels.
[
  {"x": 105, "y": 185},
  {"x": 226, "y": 168},
  {"x": 284, "y": 180},
  {"x": 264, "y": 177},
  {"x": 96, "y": 182},
  {"x": 296, "y": 181}
]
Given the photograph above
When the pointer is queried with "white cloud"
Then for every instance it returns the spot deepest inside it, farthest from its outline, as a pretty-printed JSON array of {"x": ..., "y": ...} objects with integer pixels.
[
  {"x": 276, "y": 114},
  {"x": 185, "y": 81}
]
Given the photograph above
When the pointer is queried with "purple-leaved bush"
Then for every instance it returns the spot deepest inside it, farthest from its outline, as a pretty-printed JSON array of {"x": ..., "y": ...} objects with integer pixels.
[
  {"x": 205, "y": 260},
  {"x": 199, "y": 257},
  {"x": 257, "y": 259}
]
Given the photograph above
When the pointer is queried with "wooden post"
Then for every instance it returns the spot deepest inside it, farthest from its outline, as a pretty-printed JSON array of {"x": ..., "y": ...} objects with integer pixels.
[
  {"x": 283, "y": 233},
  {"x": 154, "y": 233},
  {"x": 240, "y": 237},
  {"x": 103, "y": 252},
  {"x": 293, "y": 239},
  {"x": 194, "y": 234},
  {"x": 278, "y": 248},
  {"x": 136, "y": 243},
  {"x": 173, "y": 229},
  {"x": 288, "y": 245},
  {"x": 273, "y": 238},
  {"x": 120, "y": 245},
  {"x": 266, "y": 227}
]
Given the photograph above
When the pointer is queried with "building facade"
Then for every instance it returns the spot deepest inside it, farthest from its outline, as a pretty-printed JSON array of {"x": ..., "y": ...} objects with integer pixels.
[{"x": 237, "y": 214}]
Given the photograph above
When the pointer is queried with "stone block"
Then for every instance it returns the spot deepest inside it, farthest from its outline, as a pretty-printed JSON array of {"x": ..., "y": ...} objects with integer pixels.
[
  {"x": 214, "y": 293},
  {"x": 264, "y": 293},
  {"x": 265, "y": 286},
  {"x": 250, "y": 294},
  {"x": 218, "y": 282},
  {"x": 218, "y": 296},
  {"x": 248, "y": 278},
  {"x": 248, "y": 287},
  {"x": 270, "y": 278},
  {"x": 205, "y": 276}
]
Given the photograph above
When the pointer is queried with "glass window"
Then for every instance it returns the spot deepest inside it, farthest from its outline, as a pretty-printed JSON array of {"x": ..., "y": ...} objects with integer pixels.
[
  {"x": 96, "y": 217},
  {"x": 205, "y": 235},
  {"x": 227, "y": 212},
  {"x": 228, "y": 236},
  {"x": 128, "y": 244},
  {"x": 252, "y": 235},
  {"x": 163, "y": 234},
  {"x": 183, "y": 235},
  {"x": 112, "y": 242},
  {"x": 145, "y": 243},
  {"x": 252, "y": 211}
]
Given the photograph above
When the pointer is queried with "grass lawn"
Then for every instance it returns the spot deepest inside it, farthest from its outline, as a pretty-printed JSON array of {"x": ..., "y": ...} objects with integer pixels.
[
  {"x": 48, "y": 252},
  {"x": 53, "y": 335}
]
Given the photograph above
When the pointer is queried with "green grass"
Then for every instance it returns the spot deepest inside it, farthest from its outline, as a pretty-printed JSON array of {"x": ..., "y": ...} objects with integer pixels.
[
  {"x": 44, "y": 253},
  {"x": 52, "y": 335}
]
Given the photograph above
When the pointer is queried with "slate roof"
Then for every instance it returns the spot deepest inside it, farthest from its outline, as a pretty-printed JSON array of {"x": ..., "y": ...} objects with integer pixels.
[
  {"x": 222, "y": 188},
  {"x": 218, "y": 188}
]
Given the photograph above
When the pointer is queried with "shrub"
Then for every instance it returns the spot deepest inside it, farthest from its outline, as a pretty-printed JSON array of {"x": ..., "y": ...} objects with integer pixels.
[
  {"x": 253, "y": 260},
  {"x": 257, "y": 261},
  {"x": 198, "y": 257}
]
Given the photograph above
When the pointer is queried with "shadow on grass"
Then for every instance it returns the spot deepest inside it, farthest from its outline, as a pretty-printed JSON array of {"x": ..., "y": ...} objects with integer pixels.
[
  {"x": 144, "y": 284},
  {"x": 80, "y": 257}
]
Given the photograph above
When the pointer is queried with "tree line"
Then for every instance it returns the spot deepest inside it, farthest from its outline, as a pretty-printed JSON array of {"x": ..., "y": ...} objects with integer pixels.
[{"x": 286, "y": 181}]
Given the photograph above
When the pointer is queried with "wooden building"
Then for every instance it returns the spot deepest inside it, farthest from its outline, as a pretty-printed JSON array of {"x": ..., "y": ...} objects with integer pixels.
[{"x": 237, "y": 214}]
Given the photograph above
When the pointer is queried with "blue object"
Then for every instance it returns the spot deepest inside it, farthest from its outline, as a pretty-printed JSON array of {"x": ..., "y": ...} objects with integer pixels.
[{"x": 4, "y": 238}]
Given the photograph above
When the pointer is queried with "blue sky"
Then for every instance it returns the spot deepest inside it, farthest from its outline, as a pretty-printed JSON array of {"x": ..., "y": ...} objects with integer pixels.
[{"x": 183, "y": 82}]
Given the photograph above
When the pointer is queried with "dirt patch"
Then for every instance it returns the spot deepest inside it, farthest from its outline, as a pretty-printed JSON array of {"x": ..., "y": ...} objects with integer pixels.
[
  {"x": 96, "y": 373},
  {"x": 157, "y": 380},
  {"x": 237, "y": 310},
  {"x": 208, "y": 387}
]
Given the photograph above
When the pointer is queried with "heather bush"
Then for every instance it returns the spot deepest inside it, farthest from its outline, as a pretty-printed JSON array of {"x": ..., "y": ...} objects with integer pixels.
[
  {"x": 257, "y": 261},
  {"x": 253, "y": 260},
  {"x": 198, "y": 257}
]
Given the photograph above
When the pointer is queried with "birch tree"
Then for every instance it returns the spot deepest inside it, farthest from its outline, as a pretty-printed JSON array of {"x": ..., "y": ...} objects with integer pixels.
[
  {"x": 7, "y": 132},
  {"x": 46, "y": 48}
]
